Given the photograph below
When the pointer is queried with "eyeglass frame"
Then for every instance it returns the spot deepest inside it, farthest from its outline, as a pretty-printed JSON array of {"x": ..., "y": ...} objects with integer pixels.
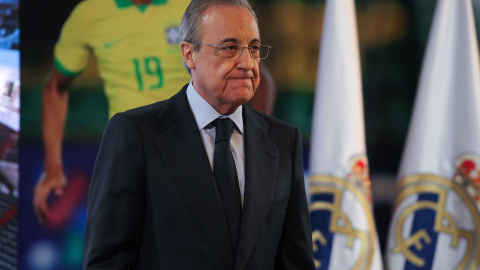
[{"x": 220, "y": 47}]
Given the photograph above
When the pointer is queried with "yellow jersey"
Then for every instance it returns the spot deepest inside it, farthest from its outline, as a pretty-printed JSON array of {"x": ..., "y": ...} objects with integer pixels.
[{"x": 137, "y": 47}]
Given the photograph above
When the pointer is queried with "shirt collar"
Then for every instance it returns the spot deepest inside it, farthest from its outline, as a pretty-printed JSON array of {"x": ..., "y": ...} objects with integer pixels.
[
  {"x": 204, "y": 113},
  {"x": 128, "y": 3}
]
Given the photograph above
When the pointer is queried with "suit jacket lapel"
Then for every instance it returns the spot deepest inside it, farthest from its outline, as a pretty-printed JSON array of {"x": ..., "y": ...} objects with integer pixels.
[
  {"x": 261, "y": 166},
  {"x": 181, "y": 145}
]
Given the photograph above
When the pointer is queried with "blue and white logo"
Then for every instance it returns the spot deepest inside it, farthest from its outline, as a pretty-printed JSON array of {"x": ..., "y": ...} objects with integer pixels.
[
  {"x": 435, "y": 225},
  {"x": 173, "y": 35}
]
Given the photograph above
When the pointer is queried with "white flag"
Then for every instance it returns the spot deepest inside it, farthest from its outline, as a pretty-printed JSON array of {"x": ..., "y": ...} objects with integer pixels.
[
  {"x": 436, "y": 221},
  {"x": 343, "y": 227}
]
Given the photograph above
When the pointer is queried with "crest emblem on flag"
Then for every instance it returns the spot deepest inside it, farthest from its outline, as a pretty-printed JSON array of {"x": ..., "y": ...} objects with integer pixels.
[
  {"x": 329, "y": 195},
  {"x": 435, "y": 214},
  {"x": 360, "y": 175},
  {"x": 468, "y": 175}
]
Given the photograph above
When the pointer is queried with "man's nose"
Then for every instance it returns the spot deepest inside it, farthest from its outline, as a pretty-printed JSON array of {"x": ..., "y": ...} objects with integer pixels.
[{"x": 245, "y": 60}]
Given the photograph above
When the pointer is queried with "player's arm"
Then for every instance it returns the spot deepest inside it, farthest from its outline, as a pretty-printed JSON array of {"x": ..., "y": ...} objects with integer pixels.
[
  {"x": 264, "y": 98},
  {"x": 54, "y": 114},
  {"x": 71, "y": 54}
]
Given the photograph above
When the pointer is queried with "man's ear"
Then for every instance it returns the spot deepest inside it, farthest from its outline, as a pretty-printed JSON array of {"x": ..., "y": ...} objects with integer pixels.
[{"x": 187, "y": 54}]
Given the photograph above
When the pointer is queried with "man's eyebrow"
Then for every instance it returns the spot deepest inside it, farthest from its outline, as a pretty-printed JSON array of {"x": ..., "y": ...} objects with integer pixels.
[{"x": 234, "y": 40}]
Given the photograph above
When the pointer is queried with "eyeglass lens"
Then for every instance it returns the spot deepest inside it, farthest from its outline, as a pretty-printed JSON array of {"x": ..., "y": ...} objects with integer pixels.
[{"x": 257, "y": 51}]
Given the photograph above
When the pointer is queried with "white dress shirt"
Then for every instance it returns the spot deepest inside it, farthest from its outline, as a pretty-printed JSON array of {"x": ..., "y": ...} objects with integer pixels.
[{"x": 205, "y": 114}]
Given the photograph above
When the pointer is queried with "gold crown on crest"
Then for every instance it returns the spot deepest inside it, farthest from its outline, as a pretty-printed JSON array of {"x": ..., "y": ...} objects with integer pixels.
[
  {"x": 468, "y": 175},
  {"x": 360, "y": 174}
]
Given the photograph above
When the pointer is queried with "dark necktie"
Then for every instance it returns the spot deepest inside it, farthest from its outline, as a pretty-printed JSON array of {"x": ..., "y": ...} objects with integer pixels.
[{"x": 226, "y": 177}]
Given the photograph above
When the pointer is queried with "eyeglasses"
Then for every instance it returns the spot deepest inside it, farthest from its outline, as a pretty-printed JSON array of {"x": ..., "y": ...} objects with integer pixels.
[{"x": 232, "y": 50}]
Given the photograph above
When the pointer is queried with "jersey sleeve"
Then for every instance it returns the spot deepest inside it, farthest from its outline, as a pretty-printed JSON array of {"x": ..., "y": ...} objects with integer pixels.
[{"x": 72, "y": 51}]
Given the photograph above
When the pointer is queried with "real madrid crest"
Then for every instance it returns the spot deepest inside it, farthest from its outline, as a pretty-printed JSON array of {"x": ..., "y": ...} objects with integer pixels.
[
  {"x": 435, "y": 216},
  {"x": 341, "y": 213}
]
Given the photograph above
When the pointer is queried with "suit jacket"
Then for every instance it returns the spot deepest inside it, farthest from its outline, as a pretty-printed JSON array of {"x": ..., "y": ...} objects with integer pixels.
[{"x": 153, "y": 203}]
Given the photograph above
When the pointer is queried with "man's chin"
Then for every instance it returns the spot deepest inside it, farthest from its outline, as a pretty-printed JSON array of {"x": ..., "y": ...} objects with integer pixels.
[
  {"x": 238, "y": 100},
  {"x": 243, "y": 95}
]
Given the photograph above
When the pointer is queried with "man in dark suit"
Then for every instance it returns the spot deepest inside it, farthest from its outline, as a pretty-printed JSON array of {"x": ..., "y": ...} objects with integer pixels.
[{"x": 200, "y": 181}]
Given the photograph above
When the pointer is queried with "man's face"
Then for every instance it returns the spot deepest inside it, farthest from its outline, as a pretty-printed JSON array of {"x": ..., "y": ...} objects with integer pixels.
[{"x": 226, "y": 83}]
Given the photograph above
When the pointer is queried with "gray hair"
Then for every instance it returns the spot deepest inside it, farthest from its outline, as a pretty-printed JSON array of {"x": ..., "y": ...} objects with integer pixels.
[{"x": 190, "y": 27}]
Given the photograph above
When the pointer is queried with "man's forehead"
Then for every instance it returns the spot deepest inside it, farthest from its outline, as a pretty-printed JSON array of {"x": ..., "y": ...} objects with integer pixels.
[
  {"x": 222, "y": 9},
  {"x": 226, "y": 22}
]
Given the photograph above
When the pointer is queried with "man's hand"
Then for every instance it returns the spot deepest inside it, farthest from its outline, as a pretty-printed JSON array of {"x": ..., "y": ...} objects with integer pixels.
[{"x": 45, "y": 186}]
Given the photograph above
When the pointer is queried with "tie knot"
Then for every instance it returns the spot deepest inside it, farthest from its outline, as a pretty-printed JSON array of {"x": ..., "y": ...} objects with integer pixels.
[{"x": 223, "y": 129}]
